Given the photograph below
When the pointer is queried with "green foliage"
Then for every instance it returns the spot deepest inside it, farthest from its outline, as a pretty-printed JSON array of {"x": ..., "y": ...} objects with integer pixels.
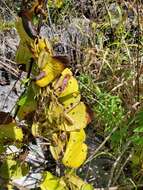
[
  {"x": 104, "y": 42},
  {"x": 12, "y": 169},
  {"x": 6, "y": 25},
  {"x": 109, "y": 110}
]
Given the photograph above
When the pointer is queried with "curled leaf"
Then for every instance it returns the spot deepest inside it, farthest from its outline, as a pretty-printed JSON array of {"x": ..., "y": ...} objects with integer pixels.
[{"x": 53, "y": 68}]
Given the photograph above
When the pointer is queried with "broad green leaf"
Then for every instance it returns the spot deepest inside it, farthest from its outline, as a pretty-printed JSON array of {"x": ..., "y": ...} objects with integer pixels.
[
  {"x": 27, "y": 103},
  {"x": 10, "y": 132},
  {"x": 13, "y": 169},
  {"x": 23, "y": 54}
]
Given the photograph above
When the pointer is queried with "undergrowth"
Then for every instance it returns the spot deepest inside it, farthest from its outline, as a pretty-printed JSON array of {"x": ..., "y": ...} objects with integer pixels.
[{"x": 104, "y": 42}]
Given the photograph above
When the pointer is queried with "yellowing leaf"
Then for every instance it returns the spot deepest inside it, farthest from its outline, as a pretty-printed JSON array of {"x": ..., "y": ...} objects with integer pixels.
[
  {"x": 76, "y": 150},
  {"x": 50, "y": 182},
  {"x": 78, "y": 116},
  {"x": 66, "y": 88},
  {"x": 35, "y": 129},
  {"x": 12, "y": 169},
  {"x": 23, "y": 54},
  {"x": 27, "y": 103},
  {"x": 56, "y": 3},
  {"x": 52, "y": 69},
  {"x": 10, "y": 132},
  {"x": 21, "y": 31},
  {"x": 55, "y": 112},
  {"x": 77, "y": 182},
  {"x": 57, "y": 148},
  {"x": 39, "y": 47}
]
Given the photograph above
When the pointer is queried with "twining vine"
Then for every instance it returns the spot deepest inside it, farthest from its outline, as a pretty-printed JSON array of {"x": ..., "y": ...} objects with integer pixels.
[{"x": 50, "y": 107}]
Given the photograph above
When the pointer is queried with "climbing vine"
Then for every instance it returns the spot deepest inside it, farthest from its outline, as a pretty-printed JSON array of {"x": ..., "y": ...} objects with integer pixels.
[{"x": 50, "y": 107}]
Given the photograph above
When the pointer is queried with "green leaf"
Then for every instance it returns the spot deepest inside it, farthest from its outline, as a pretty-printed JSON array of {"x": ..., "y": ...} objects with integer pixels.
[
  {"x": 12, "y": 169},
  {"x": 22, "y": 100},
  {"x": 27, "y": 102},
  {"x": 139, "y": 129},
  {"x": 10, "y": 132}
]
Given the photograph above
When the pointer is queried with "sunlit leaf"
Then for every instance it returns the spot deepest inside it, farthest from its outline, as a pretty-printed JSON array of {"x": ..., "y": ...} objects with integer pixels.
[
  {"x": 52, "y": 69},
  {"x": 78, "y": 116},
  {"x": 139, "y": 129},
  {"x": 35, "y": 129},
  {"x": 41, "y": 48},
  {"x": 50, "y": 182},
  {"x": 66, "y": 88},
  {"x": 77, "y": 182},
  {"x": 76, "y": 150}
]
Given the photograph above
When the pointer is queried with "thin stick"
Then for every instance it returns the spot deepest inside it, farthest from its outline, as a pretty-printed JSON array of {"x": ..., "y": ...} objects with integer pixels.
[
  {"x": 101, "y": 145},
  {"x": 116, "y": 163},
  {"x": 122, "y": 167},
  {"x": 138, "y": 52}
]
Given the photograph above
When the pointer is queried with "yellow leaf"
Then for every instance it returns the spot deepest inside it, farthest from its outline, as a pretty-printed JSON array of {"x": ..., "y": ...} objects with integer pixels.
[
  {"x": 78, "y": 116},
  {"x": 66, "y": 88},
  {"x": 52, "y": 69},
  {"x": 41, "y": 45},
  {"x": 50, "y": 182},
  {"x": 77, "y": 182},
  {"x": 57, "y": 148},
  {"x": 76, "y": 150},
  {"x": 35, "y": 129}
]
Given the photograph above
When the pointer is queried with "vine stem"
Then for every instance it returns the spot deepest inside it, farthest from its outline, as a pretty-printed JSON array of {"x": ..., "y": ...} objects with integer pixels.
[{"x": 138, "y": 52}]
